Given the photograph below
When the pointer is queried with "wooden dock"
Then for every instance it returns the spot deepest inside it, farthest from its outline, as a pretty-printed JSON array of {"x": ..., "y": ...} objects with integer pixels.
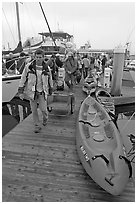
[{"x": 45, "y": 167}]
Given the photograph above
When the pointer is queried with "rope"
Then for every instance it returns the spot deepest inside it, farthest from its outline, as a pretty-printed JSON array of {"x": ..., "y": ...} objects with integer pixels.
[
  {"x": 21, "y": 66},
  {"x": 17, "y": 59},
  {"x": 11, "y": 66},
  {"x": 47, "y": 24},
  {"x": 8, "y": 25}
]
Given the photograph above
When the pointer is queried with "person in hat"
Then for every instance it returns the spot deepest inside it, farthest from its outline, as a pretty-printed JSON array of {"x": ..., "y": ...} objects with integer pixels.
[
  {"x": 70, "y": 66},
  {"x": 86, "y": 65},
  {"x": 103, "y": 61},
  {"x": 54, "y": 68},
  {"x": 58, "y": 62}
]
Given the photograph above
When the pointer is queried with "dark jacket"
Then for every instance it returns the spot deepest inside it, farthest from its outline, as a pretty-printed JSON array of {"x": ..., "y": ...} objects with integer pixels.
[
  {"x": 71, "y": 65},
  {"x": 58, "y": 62}
]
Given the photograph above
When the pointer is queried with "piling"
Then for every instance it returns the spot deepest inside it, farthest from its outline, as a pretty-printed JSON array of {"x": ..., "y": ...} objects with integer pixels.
[{"x": 119, "y": 56}]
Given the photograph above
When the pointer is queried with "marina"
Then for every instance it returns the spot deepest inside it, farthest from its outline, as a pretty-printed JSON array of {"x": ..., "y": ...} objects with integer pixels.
[
  {"x": 83, "y": 150},
  {"x": 45, "y": 167}
]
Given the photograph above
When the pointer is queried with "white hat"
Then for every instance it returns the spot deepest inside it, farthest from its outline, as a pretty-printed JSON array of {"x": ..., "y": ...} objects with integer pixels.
[
  {"x": 69, "y": 45},
  {"x": 11, "y": 54}
]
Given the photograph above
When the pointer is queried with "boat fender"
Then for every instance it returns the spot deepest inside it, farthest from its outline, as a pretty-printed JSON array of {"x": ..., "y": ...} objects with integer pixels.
[
  {"x": 102, "y": 156},
  {"x": 128, "y": 163}
]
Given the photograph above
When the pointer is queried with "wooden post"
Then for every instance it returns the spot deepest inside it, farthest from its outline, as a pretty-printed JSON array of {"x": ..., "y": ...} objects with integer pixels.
[{"x": 119, "y": 57}]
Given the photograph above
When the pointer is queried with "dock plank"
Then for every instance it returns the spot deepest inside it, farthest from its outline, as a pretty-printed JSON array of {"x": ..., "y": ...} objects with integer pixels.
[{"x": 45, "y": 167}]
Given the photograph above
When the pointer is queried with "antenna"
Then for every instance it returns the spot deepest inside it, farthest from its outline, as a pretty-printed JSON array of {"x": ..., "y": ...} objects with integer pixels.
[
  {"x": 58, "y": 26},
  {"x": 130, "y": 34}
]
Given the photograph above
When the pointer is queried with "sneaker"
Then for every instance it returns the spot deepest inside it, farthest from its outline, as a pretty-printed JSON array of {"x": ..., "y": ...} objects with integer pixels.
[
  {"x": 45, "y": 121},
  {"x": 37, "y": 129}
]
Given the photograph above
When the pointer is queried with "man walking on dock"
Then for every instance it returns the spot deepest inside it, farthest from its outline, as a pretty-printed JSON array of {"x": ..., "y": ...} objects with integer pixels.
[
  {"x": 34, "y": 84},
  {"x": 104, "y": 60},
  {"x": 70, "y": 65},
  {"x": 86, "y": 65}
]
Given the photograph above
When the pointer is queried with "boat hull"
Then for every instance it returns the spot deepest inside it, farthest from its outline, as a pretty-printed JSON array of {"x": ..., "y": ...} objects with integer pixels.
[
  {"x": 10, "y": 86},
  {"x": 89, "y": 85},
  {"x": 105, "y": 99},
  {"x": 100, "y": 148}
]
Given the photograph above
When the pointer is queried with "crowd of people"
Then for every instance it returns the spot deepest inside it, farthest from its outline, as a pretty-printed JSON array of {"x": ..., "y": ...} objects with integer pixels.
[
  {"x": 40, "y": 73},
  {"x": 82, "y": 63}
]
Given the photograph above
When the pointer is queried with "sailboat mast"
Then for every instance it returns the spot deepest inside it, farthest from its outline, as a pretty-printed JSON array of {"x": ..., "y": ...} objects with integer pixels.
[
  {"x": 18, "y": 21},
  {"x": 47, "y": 24}
]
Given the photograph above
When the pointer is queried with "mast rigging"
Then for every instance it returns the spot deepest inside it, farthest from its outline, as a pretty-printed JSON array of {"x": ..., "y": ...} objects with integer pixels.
[{"x": 47, "y": 24}]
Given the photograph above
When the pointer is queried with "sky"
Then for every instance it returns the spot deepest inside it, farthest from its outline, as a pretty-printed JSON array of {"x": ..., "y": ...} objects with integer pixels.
[{"x": 105, "y": 25}]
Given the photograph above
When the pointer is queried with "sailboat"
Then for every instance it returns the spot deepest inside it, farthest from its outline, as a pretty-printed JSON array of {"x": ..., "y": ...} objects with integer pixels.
[
  {"x": 51, "y": 43},
  {"x": 10, "y": 82}
]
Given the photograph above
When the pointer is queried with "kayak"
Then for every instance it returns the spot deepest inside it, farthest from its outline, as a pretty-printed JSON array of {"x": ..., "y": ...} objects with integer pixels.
[
  {"x": 100, "y": 147},
  {"x": 90, "y": 84},
  {"x": 105, "y": 99}
]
